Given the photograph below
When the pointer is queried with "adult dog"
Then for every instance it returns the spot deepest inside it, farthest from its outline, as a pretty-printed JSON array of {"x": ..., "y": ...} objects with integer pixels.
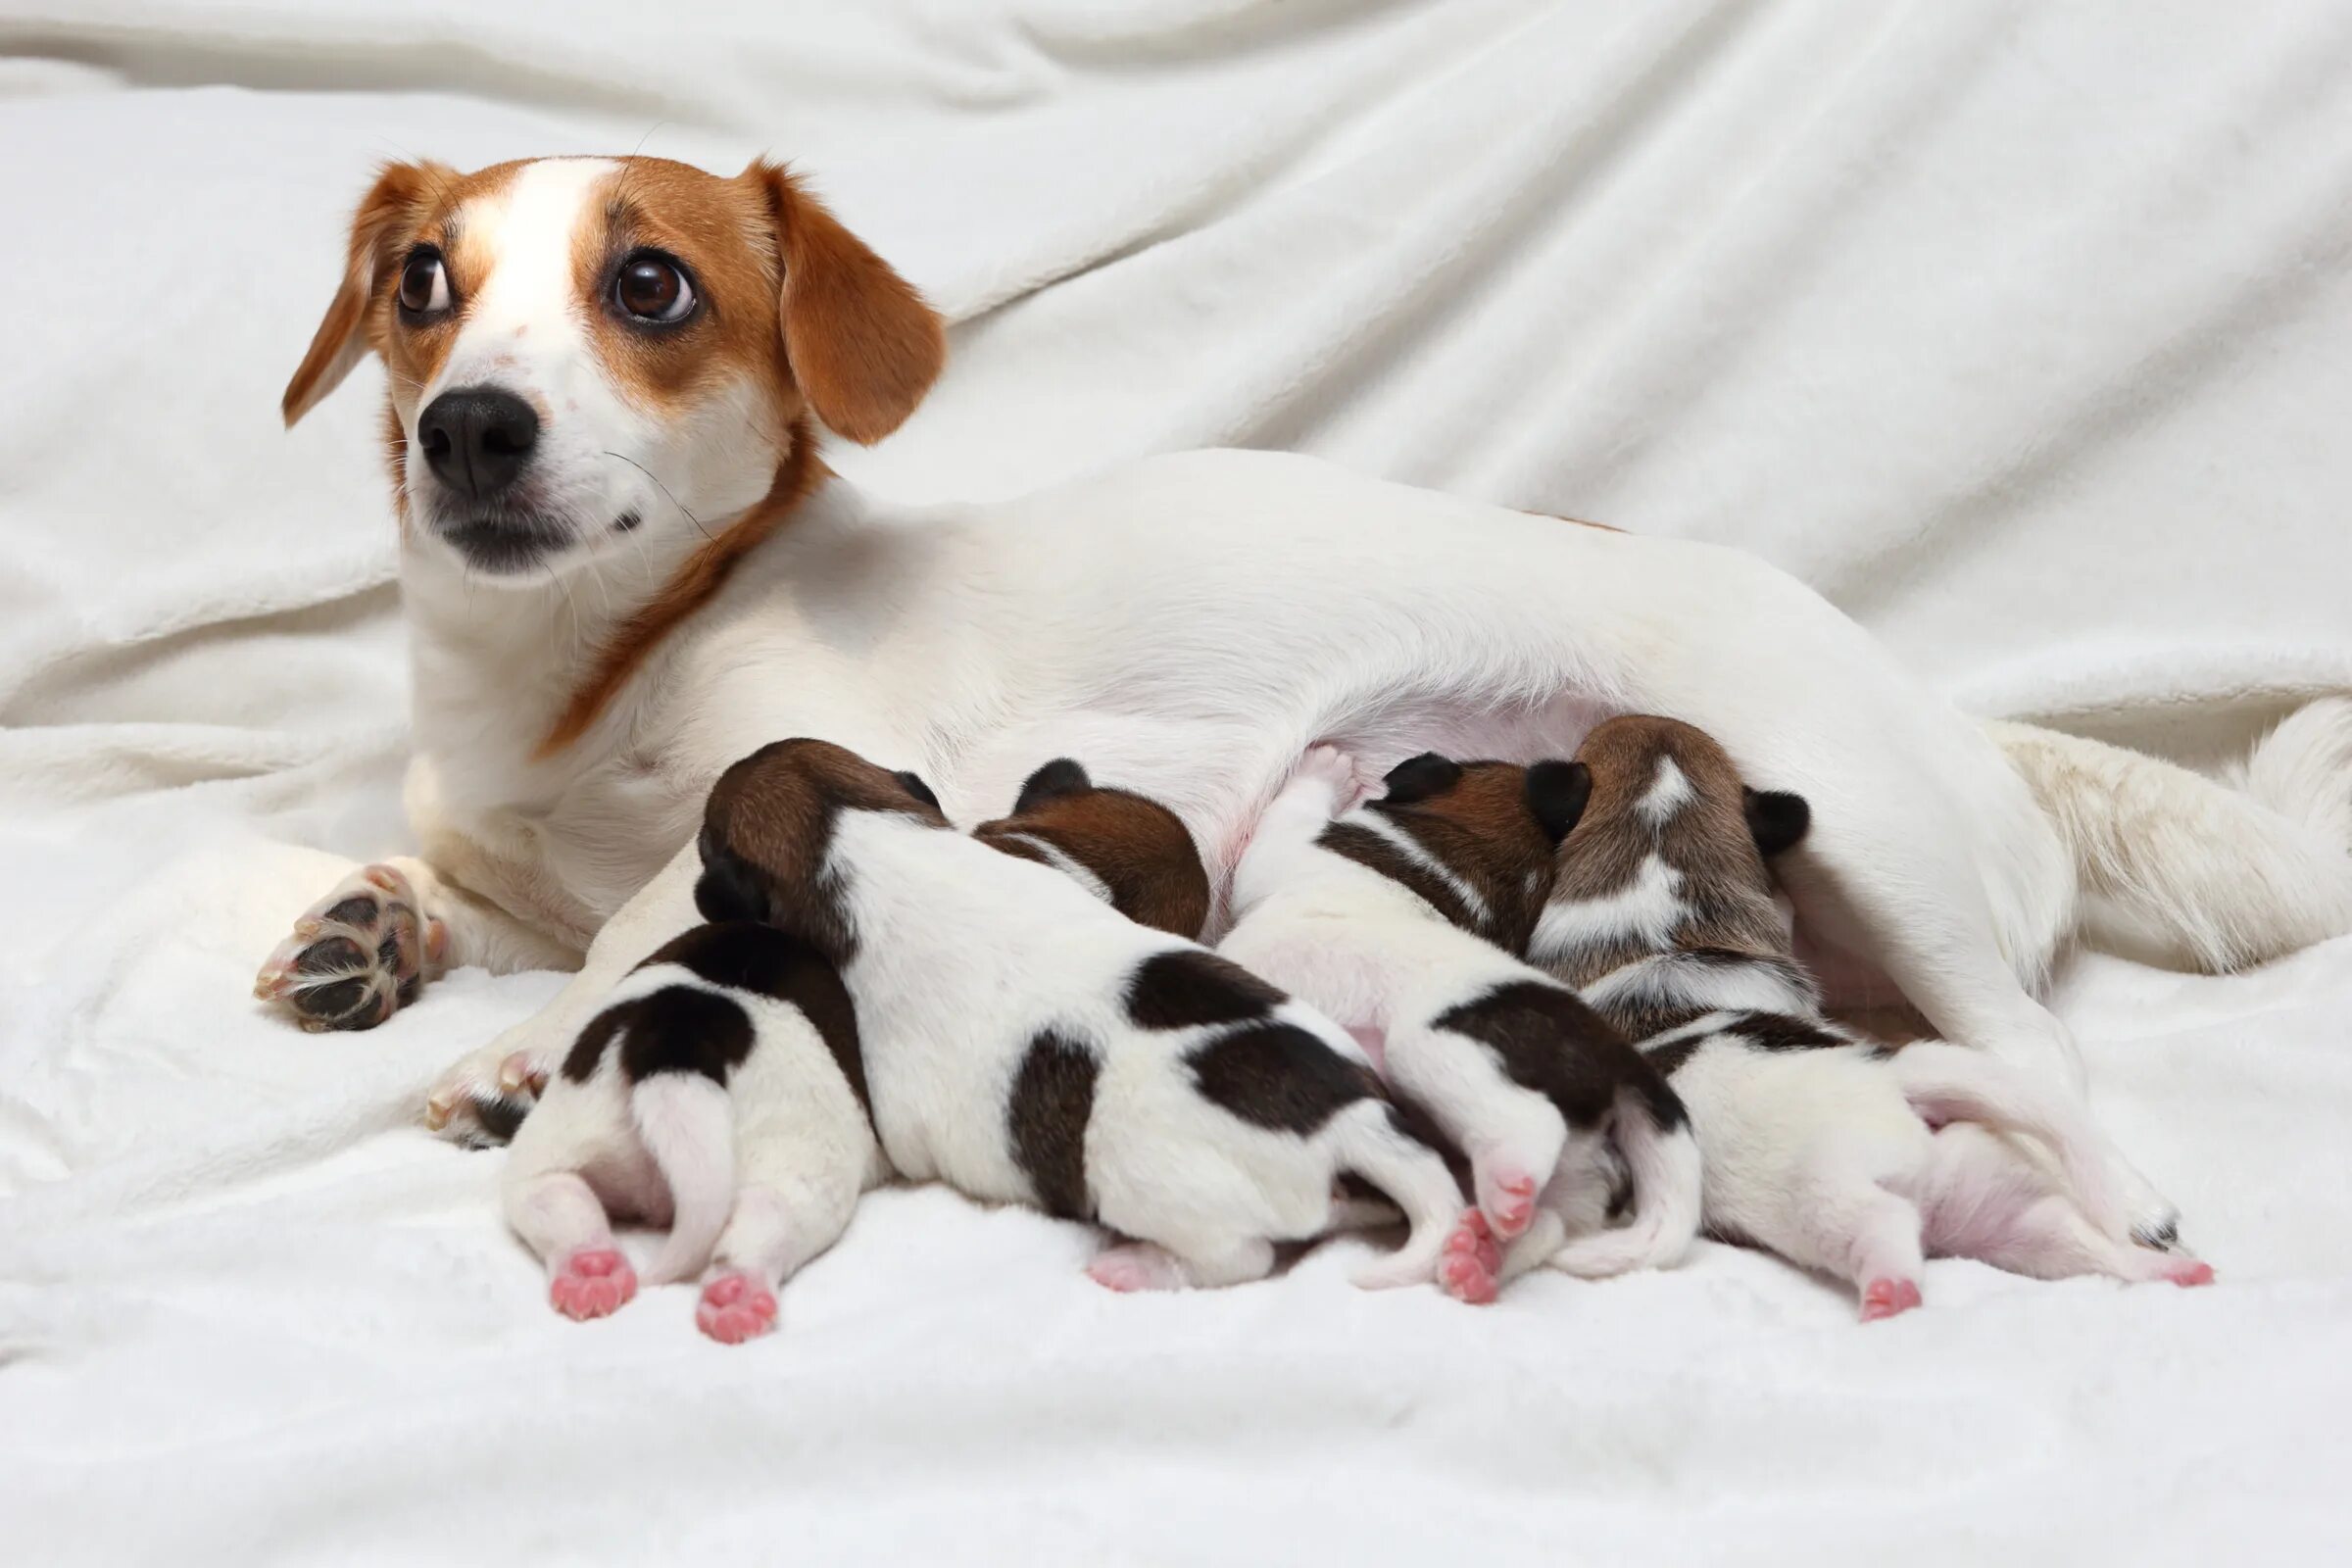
[{"x": 624, "y": 565}]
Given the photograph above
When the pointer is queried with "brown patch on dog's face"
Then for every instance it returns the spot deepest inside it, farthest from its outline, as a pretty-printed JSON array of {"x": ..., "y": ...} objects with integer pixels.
[
  {"x": 1139, "y": 850},
  {"x": 1475, "y": 818},
  {"x": 769, "y": 827}
]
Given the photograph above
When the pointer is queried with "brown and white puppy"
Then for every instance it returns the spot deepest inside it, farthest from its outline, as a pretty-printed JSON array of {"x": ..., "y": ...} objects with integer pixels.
[
  {"x": 1819, "y": 1145},
  {"x": 1126, "y": 849},
  {"x": 722, "y": 1094},
  {"x": 1025, "y": 1042},
  {"x": 1402, "y": 918}
]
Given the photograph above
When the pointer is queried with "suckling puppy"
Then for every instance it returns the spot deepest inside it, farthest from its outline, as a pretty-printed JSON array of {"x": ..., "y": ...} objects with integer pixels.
[
  {"x": 1393, "y": 917},
  {"x": 1126, "y": 849},
  {"x": 1826, "y": 1149},
  {"x": 1025, "y": 1043},
  {"x": 722, "y": 1094}
]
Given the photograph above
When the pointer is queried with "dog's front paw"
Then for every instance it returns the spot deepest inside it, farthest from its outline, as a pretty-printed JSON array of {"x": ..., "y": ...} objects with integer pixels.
[
  {"x": 357, "y": 956},
  {"x": 1339, "y": 771},
  {"x": 480, "y": 1100}
]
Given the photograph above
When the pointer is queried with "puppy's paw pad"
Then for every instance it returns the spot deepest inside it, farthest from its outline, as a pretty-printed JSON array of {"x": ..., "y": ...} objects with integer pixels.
[
  {"x": 1340, "y": 771},
  {"x": 1883, "y": 1298},
  {"x": 1508, "y": 1195},
  {"x": 735, "y": 1306},
  {"x": 1472, "y": 1237},
  {"x": 1466, "y": 1271},
  {"x": 2186, "y": 1271},
  {"x": 356, "y": 956},
  {"x": 1137, "y": 1266},
  {"x": 592, "y": 1281}
]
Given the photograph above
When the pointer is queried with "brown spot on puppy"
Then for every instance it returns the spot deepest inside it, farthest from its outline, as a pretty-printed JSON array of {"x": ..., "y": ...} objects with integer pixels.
[
  {"x": 1186, "y": 988},
  {"x": 740, "y": 956},
  {"x": 766, "y": 829},
  {"x": 1053, "y": 1098},
  {"x": 1141, "y": 851},
  {"x": 1280, "y": 1077},
  {"x": 1493, "y": 826},
  {"x": 1525, "y": 1024}
]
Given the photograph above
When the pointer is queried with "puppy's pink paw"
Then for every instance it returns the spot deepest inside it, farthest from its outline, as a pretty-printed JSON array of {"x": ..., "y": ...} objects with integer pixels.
[
  {"x": 1507, "y": 1194},
  {"x": 1466, "y": 1272},
  {"x": 2189, "y": 1271},
  {"x": 736, "y": 1306},
  {"x": 1136, "y": 1266},
  {"x": 592, "y": 1281},
  {"x": 356, "y": 956},
  {"x": 1886, "y": 1297},
  {"x": 1340, "y": 772}
]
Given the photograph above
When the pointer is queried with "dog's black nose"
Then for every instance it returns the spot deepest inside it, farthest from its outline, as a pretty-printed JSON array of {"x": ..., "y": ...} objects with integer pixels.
[{"x": 477, "y": 438}]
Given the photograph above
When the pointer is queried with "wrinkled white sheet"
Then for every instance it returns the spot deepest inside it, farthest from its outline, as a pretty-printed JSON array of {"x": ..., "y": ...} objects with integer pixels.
[{"x": 2024, "y": 331}]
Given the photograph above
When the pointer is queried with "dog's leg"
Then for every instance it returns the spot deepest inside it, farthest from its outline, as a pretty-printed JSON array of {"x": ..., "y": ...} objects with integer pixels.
[
  {"x": 1195, "y": 1263},
  {"x": 367, "y": 949},
  {"x": 479, "y": 1099},
  {"x": 795, "y": 1200},
  {"x": 1282, "y": 846},
  {"x": 1986, "y": 1200},
  {"x": 559, "y": 1216},
  {"x": 1512, "y": 1134}
]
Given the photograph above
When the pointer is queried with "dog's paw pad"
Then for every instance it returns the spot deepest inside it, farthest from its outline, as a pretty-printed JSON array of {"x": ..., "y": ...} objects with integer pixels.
[
  {"x": 736, "y": 1306},
  {"x": 356, "y": 956},
  {"x": 1346, "y": 779},
  {"x": 1136, "y": 1266},
  {"x": 2189, "y": 1271},
  {"x": 1885, "y": 1297},
  {"x": 1466, "y": 1271},
  {"x": 1508, "y": 1195},
  {"x": 592, "y": 1281}
]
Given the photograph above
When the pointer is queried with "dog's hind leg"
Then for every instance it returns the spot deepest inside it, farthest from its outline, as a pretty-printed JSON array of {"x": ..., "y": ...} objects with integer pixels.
[
  {"x": 793, "y": 1202},
  {"x": 559, "y": 1216}
]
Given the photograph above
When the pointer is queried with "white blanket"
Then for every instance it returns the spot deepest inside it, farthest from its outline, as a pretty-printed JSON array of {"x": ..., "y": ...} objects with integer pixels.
[{"x": 2026, "y": 333}]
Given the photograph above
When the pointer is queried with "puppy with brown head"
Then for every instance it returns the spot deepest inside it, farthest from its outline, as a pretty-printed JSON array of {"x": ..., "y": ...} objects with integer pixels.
[
  {"x": 1129, "y": 850},
  {"x": 1026, "y": 1042},
  {"x": 1819, "y": 1145},
  {"x": 1388, "y": 915}
]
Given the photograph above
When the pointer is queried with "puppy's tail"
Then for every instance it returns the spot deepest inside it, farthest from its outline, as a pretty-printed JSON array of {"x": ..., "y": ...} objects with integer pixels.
[
  {"x": 1945, "y": 1082},
  {"x": 2180, "y": 870},
  {"x": 1373, "y": 1143},
  {"x": 688, "y": 1126},
  {"x": 1661, "y": 1155}
]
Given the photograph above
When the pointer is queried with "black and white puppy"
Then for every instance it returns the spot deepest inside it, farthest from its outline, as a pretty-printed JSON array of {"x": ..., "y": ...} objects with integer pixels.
[
  {"x": 1402, "y": 918},
  {"x": 1820, "y": 1146},
  {"x": 1025, "y": 1042},
  {"x": 722, "y": 1094}
]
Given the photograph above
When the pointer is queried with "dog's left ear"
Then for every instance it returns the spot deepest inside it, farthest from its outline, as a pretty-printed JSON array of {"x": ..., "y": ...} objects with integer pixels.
[
  {"x": 1061, "y": 776},
  {"x": 1777, "y": 818},
  {"x": 729, "y": 887},
  {"x": 1417, "y": 778},
  {"x": 394, "y": 203},
  {"x": 913, "y": 783},
  {"x": 1556, "y": 792},
  {"x": 862, "y": 344}
]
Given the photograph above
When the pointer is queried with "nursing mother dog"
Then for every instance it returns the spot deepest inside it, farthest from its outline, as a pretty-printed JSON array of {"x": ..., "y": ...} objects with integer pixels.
[{"x": 625, "y": 564}]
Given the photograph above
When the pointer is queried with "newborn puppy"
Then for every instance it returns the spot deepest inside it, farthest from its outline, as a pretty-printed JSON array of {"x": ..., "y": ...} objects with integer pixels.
[
  {"x": 1129, "y": 850},
  {"x": 1025, "y": 1043},
  {"x": 719, "y": 1094},
  {"x": 1393, "y": 917},
  {"x": 1824, "y": 1148}
]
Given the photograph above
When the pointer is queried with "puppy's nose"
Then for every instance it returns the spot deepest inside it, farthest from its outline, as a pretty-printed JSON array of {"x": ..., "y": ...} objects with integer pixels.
[{"x": 477, "y": 438}]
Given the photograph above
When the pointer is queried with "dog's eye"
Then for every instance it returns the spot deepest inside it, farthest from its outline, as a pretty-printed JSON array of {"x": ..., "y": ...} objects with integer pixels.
[
  {"x": 653, "y": 288},
  {"x": 423, "y": 285}
]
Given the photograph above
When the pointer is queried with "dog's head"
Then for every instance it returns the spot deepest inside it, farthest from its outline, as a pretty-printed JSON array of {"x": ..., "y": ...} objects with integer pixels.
[
  {"x": 768, "y": 826},
  {"x": 1485, "y": 828},
  {"x": 585, "y": 349},
  {"x": 1661, "y": 799},
  {"x": 1130, "y": 851}
]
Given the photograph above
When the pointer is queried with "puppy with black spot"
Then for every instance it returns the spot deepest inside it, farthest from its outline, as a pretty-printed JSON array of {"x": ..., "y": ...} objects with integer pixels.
[
  {"x": 1402, "y": 918},
  {"x": 722, "y": 1094},
  {"x": 1026, "y": 1042},
  {"x": 1821, "y": 1147}
]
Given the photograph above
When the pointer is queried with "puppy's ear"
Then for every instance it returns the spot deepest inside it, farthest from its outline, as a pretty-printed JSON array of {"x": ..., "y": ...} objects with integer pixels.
[
  {"x": 1556, "y": 792},
  {"x": 913, "y": 783},
  {"x": 1061, "y": 776},
  {"x": 729, "y": 889},
  {"x": 1417, "y": 778},
  {"x": 388, "y": 213},
  {"x": 1777, "y": 818},
  {"x": 862, "y": 344}
]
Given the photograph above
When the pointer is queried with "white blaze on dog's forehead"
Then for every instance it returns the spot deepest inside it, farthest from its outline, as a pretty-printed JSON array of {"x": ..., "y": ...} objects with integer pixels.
[
  {"x": 1668, "y": 792},
  {"x": 523, "y": 329},
  {"x": 1645, "y": 910}
]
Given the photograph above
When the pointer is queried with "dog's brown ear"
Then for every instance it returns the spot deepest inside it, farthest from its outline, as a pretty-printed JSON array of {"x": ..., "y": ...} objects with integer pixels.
[
  {"x": 862, "y": 344},
  {"x": 1778, "y": 819},
  {"x": 391, "y": 206}
]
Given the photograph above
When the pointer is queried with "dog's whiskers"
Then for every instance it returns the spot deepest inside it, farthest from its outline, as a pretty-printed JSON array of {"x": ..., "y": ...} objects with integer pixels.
[{"x": 664, "y": 489}]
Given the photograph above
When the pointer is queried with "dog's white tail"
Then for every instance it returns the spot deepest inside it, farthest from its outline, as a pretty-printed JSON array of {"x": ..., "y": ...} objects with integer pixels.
[
  {"x": 1945, "y": 1082},
  {"x": 687, "y": 1124},
  {"x": 1372, "y": 1143},
  {"x": 2176, "y": 869},
  {"x": 1668, "y": 1197}
]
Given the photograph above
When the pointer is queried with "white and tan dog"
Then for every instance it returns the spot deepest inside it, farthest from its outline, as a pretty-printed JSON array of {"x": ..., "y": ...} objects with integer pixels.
[
  {"x": 1026, "y": 1042},
  {"x": 720, "y": 1093},
  {"x": 1820, "y": 1146},
  {"x": 624, "y": 565},
  {"x": 1400, "y": 919}
]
